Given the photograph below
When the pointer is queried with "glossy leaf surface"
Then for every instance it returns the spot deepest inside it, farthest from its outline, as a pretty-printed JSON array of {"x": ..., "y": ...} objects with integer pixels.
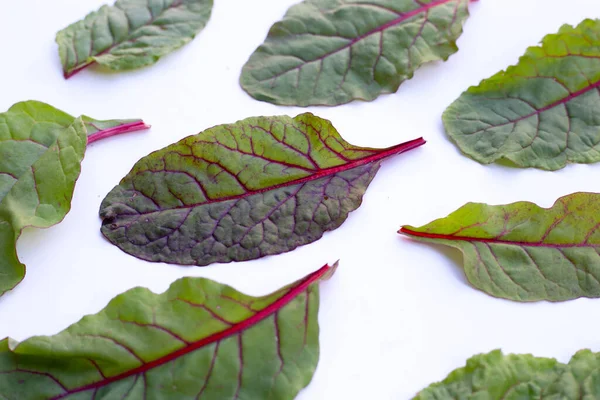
[
  {"x": 131, "y": 34},
  {"x": 495, "y": 376},
  {"x": 330, "y": 52},
  {"x": 237, "y": 192},
  {"x": 542, "y": 112},
  {"x": 524, "y": 252},
  {"x": 199, "y": 340},
  {"x": 41, "y": 149}
]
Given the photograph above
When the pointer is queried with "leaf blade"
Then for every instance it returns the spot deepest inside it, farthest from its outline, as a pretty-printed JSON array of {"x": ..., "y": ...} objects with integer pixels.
[
  {"x": 524, "y": 252},
  {"x": 238, "y": 192},
  {"x": 42, "y": 162},
  {"x": 41, "y": 149},
  {"x": 130, "y": 34},
  {"x": 529, "y": 113},
  {"x": 327, "y": 53},
  {"x": 69, "y": 364},
  {"x": 498, "y": 376}
]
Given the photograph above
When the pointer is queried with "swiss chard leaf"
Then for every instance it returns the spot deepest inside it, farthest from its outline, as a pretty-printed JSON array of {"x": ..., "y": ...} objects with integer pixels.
[
  {"x": 238, "y": 192},
  {"x": 495, "y": 376},
  {"x": 523, "y": 252},
  {"x": 131, "y": 34},
  {"x": 198, "y": 340},
  {"x": 41, "y": 149},
  {"x": 542, "y": 112},
  {"x": 329, "y": 52}
]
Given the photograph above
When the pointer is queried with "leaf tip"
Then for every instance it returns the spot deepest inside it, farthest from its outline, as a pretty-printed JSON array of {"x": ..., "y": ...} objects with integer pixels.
[
  {"x": 69, "y": 73},
  {"x": 329, "y": 270},
  {"x": 404, "y": 230}
]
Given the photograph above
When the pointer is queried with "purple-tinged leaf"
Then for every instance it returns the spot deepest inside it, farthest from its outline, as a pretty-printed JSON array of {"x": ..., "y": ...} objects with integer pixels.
[{"x": 237, "y": 192}]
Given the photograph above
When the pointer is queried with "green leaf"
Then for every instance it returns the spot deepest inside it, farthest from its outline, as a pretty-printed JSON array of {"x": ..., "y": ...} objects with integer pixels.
[
  {"x": 41, "y": 149},
  {"x": 524, "y": 252},
  {"x": 131, "y": 34},
  {"x": 329, "y": 52},
  {"x": 198, "y": 340},
  {"x": 542, "y": 112},
  {"x": 495, "y": 376},
  {"x": 238, "y": 192}
]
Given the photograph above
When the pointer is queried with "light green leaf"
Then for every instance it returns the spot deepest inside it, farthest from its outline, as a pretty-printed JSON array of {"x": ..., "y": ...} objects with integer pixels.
[
  {"x": 41, "y": 149},
  {"x": 542, "y": 112},
  {"x": 524, "y": 252},
  {"x": 495, "y": 376},
  {"x": 330, "y": 52},
  {"x": 237, "y": 192},
  {"x": 131, "y": 34},
  {"x": 200, "y": 340}
]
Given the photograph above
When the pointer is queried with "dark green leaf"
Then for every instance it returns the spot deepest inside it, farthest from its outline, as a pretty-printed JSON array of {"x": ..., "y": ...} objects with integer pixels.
[
  {"x": 542, "y": 112},
  {"x": 495, "y": 376},
  {"x": 199, "y": 340},
  {"x": 131, "y": 34},
  {"x": 41, "y": 149},
  {"x": 524, "y": 252},
  {"x": 329, "y": 52},
  {"x": 237, "y": 192}
]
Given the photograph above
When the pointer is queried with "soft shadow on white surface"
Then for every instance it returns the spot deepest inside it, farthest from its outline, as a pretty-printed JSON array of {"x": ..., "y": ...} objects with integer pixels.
[
  {"x": 455, "y": 259},
  {"x": 398, "y": 315}
]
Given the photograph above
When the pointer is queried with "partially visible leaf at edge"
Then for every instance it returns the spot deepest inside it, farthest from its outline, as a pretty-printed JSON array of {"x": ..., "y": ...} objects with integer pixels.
[
  {"x": 131, "y": 34},
  {"x": 329, "y": 52},
  {"x": 495, "y": 376},
  {"x": 542, "y": 112},
  {"x": 200, "y": 340},
  {"x": 523, "y": 252},
  {"x": 41, "y": 149},
  {"x": 241, "y": 191}
]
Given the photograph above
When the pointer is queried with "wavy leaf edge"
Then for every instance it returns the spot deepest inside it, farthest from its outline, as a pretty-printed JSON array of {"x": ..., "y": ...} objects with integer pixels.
[
  {"x": 523, "y": 252},
  {"x": 262, "y": 95},
  {"x": 295, "y": 289},
  {"x": 512, "y": 158}
]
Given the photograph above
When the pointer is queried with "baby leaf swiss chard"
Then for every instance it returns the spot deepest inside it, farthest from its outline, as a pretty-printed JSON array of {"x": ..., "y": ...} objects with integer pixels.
[
  {"x": 542, "y": 112},
  {"x": 41, "y": 149},
  {"x": 131, "y": 34},
  {"x": 238, "y": 192},
  {"x": 523, "y": 252},
  {"x": 495, "y": 376},
  {"x": 200, "y": 340},
  {"x": 330, "y": 52}
]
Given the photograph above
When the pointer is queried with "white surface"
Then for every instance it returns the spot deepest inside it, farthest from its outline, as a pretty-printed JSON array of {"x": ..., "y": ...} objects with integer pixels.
[{"x": 398, "y": 315}]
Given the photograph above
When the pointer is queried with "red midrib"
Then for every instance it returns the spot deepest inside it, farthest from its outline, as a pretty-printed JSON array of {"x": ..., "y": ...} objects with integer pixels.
[
  {"x": 256, "y": 318},
  {"x": 400, "y": 148},
  {"x": 117, "y": 130},
  {"x": 556, "y": 103},
  {"x": 410, "y": 232},
  {"x": 381, "y": 28},
  {"x": 400, "y": 19}
]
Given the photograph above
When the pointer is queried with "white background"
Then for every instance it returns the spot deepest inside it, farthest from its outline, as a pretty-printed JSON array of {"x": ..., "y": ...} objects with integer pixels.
[{"x": 398, "y": 315}]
